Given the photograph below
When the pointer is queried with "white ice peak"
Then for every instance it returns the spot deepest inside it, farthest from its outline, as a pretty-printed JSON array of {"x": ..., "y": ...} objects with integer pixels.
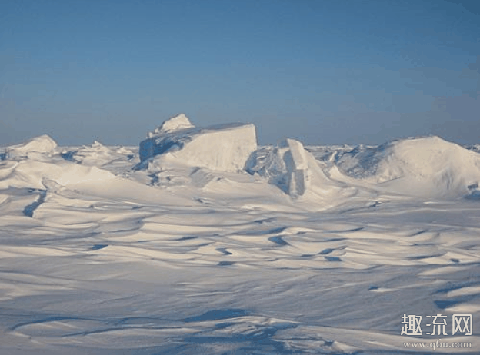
[
  {"x": 34, "y": 147},
  {"x": 173, "y": 124}
]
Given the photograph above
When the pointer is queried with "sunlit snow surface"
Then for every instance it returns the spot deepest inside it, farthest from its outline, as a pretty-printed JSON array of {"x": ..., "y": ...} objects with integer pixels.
[{"x": 100, "y": 257}]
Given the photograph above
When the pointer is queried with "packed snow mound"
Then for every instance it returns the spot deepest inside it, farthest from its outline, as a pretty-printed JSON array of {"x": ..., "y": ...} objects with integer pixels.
[
  {"x": 293, "y": 169},
  {"x": 427, "y": 166},
  {"x": 34, "y": 174},
  {"x": 175, "y": 123},
  {"x": 35, "y": 147},
  {"x": 222, "y": 147}
]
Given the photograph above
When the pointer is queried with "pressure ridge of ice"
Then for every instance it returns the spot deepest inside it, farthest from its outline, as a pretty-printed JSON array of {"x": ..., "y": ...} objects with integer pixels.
[{"x": 427, "y": 167}]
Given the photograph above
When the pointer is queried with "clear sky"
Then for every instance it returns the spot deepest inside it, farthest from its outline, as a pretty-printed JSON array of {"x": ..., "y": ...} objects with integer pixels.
[{"x": 323, "y": 72}]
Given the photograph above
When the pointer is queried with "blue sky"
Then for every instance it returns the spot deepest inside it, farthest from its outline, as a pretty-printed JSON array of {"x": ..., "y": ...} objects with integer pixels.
[{"x": 323, "y": 72}]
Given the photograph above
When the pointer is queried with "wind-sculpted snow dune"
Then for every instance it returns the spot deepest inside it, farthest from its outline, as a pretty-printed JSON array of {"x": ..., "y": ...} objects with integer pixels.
[
  {"x": 429, "y": 167},
  {"x": 106, "y": 252}
]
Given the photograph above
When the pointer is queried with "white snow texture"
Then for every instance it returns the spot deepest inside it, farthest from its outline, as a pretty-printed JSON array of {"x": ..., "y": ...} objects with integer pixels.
[{"x": 200, "y": 242}]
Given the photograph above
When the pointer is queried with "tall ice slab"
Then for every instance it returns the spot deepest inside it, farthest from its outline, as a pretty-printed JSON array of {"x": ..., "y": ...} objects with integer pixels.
[{"x": 222, "y": 147}]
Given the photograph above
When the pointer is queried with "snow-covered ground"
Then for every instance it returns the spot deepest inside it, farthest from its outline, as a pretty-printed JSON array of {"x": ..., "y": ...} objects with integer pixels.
[{"x": 200, "y": 242}]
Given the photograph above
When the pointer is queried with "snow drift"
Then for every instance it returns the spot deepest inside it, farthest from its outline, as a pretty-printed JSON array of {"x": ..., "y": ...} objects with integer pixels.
[
  {"x": 428, "y": 167},
  {"x": 34, "y": 174},
  {"x": 223, "y": 147}
]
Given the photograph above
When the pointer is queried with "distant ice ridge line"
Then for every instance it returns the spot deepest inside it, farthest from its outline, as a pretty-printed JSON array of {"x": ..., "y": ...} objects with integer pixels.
[
  {"x": 97, "y": 154},
  {"x": 30, "y": 164},
  {"x": 425, "y": 167}
]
